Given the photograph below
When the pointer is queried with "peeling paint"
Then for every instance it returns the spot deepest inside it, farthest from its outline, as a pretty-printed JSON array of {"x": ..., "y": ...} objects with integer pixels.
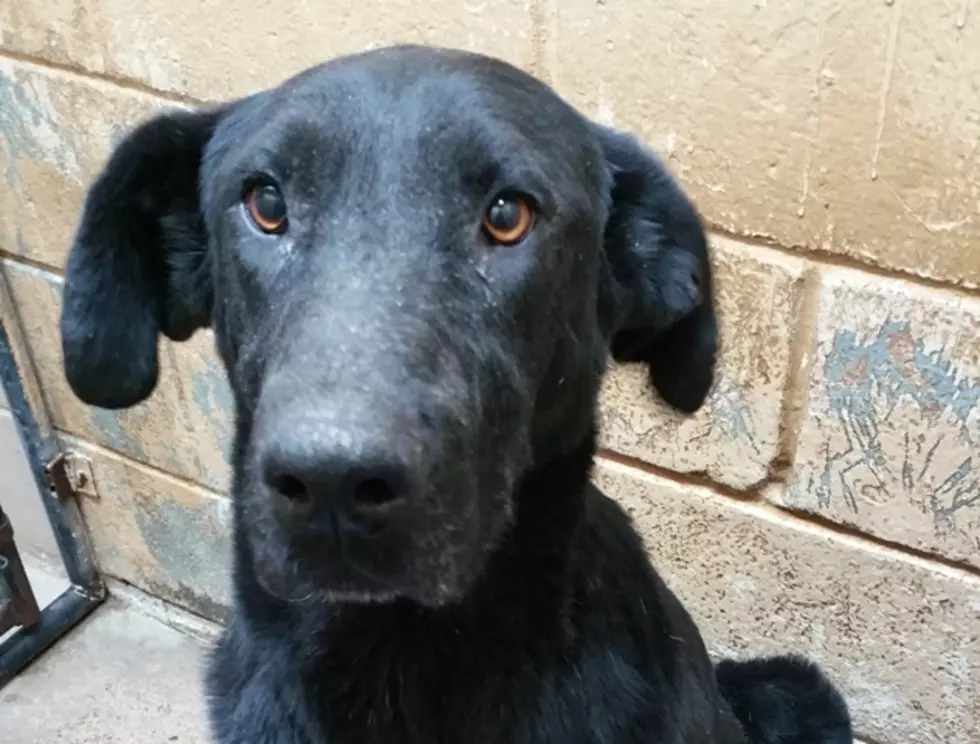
[
  {"x": 211, "y": 394},
  {"x": 896, "y": 364},
  {"x": 899, "y": 421},
  {"x": 146, "y": 434},
  {"x": 210, "y": 406},
  {"x": 190, "y": 544},
  {"x": 30, "y": 124},
  {"x": 109, "y": 425}
]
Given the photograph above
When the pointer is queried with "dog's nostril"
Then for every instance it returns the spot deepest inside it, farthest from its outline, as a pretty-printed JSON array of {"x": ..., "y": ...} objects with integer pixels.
[
  {"x": 289, "y": 486},
  {"x": 374, "y": 492}
]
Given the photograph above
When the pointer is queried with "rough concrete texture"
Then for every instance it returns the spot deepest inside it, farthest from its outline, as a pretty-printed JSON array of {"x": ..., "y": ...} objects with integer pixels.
[
  {"x": 848, "y": 127},
  {"x": 215, "y": 50},
  {"x": 736, "y": 436},
  {"x": 118, "y": 678},
  {"x": 163, "y": 535},
  {"x": 902, "y": 640},
  {"x": 182, "y": 427},
  {"x": 56, "y": 132},
  {"x": 891, "y": 431}
]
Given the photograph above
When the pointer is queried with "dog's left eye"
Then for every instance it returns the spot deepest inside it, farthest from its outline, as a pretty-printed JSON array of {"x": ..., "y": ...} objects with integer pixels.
[
  {"x": 509, "y": 218},
  {"x": 266, "y": 206}
]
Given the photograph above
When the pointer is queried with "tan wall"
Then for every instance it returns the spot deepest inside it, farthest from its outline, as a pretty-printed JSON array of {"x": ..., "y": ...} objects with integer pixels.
[{"x": 827, "y": 498}]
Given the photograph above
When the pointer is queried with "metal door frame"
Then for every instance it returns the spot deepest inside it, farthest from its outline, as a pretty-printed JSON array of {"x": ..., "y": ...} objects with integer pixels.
[{"x": 37, "y": 629}]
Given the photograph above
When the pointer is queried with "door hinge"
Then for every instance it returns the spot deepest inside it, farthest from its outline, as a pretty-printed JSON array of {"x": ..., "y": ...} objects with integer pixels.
[{"x": 70, "y": 475}]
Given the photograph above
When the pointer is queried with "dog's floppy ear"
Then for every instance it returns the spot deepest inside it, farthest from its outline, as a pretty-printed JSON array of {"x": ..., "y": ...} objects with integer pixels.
[
  {"x": 658, "y": 295},
  {"x": 139, "y": 263}
]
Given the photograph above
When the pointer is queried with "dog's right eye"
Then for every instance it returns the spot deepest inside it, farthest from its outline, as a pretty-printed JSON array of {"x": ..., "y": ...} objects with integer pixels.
[
  {"x": 509, "y": 218},
  {"x": 266, "y": 207}
]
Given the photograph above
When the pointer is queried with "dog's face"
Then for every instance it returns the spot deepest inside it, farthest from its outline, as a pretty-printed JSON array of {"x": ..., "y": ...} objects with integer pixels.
[{"x": 415, "y": 263}]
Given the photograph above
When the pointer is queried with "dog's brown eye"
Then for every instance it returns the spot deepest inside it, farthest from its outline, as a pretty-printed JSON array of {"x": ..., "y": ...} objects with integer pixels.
[
  {"x": 266, "y": 206},
  {"x": 509, "y": 219}
]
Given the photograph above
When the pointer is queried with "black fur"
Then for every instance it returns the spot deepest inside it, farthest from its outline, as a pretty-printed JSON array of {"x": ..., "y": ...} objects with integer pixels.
[
  {"x": 419, "y": 553},
  {"x": 139, "y": 264},
  {"x": 784, "y": 699},
  {"x": 659, "y": 256}
]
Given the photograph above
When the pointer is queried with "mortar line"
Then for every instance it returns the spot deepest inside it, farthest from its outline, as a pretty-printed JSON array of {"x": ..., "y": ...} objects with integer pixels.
[
  {"x": 818, "y": 523},
  {"x": 30, "y": 262},
  {"x": 795, "y": 398},
  {"x": 830, "y": 259},
  {"x": 698, "y": 479},
  {"x": 126, "y": 83},
  {"x": 74, "y": 440}
]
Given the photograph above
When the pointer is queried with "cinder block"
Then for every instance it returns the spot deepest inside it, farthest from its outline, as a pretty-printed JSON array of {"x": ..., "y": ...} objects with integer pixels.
[
  {"x": 163, "y": 535},
  {"x": 56, "y": 131},
  {"x": 735, "y": 436},
  {"x": 899, "y": 637},
  {"x": 840, "y": 127},
  {"x": 891, "y": 432},
  {"x": 181, "y": 428},
  {"x": 216, "y": 50}
]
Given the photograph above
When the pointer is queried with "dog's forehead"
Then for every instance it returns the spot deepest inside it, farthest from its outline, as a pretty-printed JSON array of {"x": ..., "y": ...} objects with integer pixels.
[
  {"x": 438, "y": 80},
  {"x": 409, "y": 93}
]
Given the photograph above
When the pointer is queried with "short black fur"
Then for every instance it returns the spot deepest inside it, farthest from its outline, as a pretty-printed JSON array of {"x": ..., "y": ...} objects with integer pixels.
[
  {"x": 139, "y": 265},
  {"x": 659, "y": 258},
  {"x": 420, "y": 555}
]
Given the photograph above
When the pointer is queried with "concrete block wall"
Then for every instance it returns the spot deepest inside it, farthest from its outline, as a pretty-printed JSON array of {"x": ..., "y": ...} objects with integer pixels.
[{"x": 827, "y": 499}]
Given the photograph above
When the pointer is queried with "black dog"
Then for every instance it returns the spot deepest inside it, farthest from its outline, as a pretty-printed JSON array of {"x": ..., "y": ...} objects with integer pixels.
[{"x": 415, "y": 263}]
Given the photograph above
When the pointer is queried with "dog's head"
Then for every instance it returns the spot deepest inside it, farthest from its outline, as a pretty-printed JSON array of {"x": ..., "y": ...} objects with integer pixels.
[{"x": 415, "y": 263}]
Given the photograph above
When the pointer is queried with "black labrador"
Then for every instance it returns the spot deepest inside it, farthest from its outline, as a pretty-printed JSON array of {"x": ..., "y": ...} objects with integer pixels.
[{"x": 416, "y": 263}]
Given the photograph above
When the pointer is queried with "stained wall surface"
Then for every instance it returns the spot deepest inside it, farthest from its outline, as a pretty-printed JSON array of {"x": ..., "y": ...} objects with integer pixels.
[{"x": 827, "y": 498}]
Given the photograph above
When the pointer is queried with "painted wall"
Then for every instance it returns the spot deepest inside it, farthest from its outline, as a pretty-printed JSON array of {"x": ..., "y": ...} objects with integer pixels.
[{"x": 828, "y": 496}]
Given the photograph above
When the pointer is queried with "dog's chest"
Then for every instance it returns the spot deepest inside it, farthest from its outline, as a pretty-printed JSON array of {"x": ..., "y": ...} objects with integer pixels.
[
  {"x": 477, "y": 720},
  {"x": 435, "y": 704},
  {"x": 597, "y": 700}
]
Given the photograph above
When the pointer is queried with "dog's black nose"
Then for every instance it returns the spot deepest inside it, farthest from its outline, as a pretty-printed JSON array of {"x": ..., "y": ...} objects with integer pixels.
[{"x": 343, "y": 487}]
